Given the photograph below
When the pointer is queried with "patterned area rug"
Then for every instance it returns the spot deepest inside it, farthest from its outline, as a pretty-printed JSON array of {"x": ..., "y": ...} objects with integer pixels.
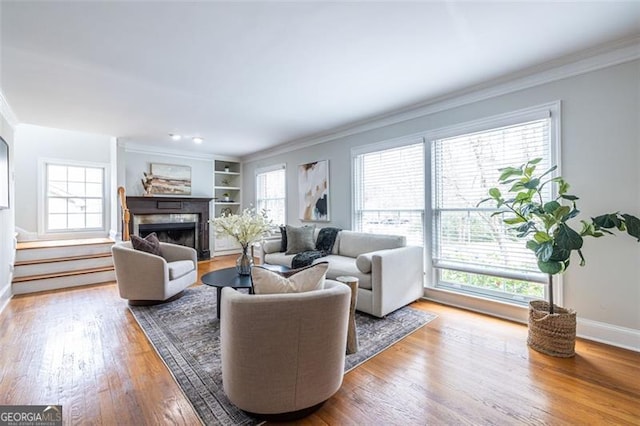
[{"x": 185, "y": 333}]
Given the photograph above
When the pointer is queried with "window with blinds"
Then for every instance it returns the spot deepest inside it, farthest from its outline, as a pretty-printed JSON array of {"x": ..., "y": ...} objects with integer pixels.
[
  {"x": 271, "y": 193},
  {"x": 389, "y": 192},
  {"x": 473, "y": 251}
]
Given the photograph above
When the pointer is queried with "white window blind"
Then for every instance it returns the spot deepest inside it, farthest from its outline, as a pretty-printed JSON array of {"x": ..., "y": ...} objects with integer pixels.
[
  {"x": 471, "y": 249},
  {"x": 271, "y": 194},
  {"x": 389, "y": 192},
  {"x": 74, "y": 198}
]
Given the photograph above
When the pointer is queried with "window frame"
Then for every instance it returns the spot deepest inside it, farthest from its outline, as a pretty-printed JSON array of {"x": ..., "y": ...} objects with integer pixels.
[
  {"x": 401, "y": 142},
  {"x": 42, "y": 210},
  {"x": 549, "y": 110},
  {"x": 268, "y": 169}
]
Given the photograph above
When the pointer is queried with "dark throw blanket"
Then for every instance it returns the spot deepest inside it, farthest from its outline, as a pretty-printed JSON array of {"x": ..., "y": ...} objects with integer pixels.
[{"x": 324, "y": 246}]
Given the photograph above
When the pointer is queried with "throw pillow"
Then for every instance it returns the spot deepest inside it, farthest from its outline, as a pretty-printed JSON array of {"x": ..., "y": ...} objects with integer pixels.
[
  {"x": 305, "y": 279},
  {"x": 300, "y": 239},
  {"x": 149, "y": 244},
  {"x": 283, "y": 239}
]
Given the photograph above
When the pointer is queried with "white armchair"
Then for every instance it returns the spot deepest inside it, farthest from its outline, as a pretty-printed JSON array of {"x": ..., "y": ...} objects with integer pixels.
[{"x": 145, "y": 278}]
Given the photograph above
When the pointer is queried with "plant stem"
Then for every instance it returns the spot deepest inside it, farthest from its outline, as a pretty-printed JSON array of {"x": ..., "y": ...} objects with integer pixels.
[{"x": 550, "y": 286}]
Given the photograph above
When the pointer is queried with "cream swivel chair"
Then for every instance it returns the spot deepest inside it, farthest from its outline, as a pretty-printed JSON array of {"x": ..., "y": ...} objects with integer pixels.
[
  {"x": 283, "y": 354},
  {"x": 145, "y": 278}
]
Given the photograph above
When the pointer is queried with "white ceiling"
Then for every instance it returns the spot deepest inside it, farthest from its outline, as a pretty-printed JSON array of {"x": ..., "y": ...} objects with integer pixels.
[{"x": 250, "y": 75}]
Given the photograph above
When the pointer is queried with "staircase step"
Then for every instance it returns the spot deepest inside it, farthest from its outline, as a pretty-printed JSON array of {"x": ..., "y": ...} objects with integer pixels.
[
  {"x": 63, "y": 280},
  {"x": 36, "y": 251},
  {"x": 54, "y": 266}
]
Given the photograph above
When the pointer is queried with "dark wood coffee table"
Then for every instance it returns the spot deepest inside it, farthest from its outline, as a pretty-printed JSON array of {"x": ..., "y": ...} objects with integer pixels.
[{"x": 229, "y": 277}]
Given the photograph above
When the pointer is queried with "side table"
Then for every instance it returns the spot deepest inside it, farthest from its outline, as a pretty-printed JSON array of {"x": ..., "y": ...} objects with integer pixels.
[{"x": 352, "y": 334}]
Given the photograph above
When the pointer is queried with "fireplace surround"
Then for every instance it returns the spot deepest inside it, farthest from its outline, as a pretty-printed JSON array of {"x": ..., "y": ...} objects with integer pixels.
[{"x": 178, "y": 220}]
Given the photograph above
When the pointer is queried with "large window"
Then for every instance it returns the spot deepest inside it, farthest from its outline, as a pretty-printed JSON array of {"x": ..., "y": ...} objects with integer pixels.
[
  {"x": 271, "y": 193},
  {"x": 74, "y": 198},
  {"x": 473, "y": 251},
  {"x": 389, "y": 191}
]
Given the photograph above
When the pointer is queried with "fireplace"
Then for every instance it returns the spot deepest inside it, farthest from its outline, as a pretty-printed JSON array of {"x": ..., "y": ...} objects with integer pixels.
[{"x": 177, "y": 220}]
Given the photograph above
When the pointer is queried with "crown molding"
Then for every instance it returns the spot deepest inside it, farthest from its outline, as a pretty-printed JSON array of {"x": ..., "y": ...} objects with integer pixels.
[
  {"x": 7, "y": 112},
  {"x": 611, "y": 54},
  {"x": 155, "y": 150}
]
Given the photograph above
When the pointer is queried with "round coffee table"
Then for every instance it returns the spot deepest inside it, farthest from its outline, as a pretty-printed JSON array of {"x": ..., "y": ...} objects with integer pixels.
[{"x": 228, "y": 277}]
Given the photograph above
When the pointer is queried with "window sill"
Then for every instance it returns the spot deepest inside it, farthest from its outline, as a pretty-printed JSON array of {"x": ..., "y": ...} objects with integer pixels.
[{"x": 477, "y": 303}]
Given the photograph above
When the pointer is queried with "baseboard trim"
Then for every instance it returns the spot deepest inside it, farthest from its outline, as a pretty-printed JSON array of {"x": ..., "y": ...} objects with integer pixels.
[
  {"x": 5, "y": 297},
  {"x": 610, "y": 334},
  {"x": 615, "y": 335}
]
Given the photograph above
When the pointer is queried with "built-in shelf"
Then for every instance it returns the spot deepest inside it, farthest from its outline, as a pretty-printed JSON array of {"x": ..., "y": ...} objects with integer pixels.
[{"x": 226, "y": 182}]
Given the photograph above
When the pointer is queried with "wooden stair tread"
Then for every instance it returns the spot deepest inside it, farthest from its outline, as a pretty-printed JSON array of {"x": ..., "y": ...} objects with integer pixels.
[
  {"x": 61, "y": 259},
  {"x": 63, "y": 274},
  {"x": 26, "y": 245}
]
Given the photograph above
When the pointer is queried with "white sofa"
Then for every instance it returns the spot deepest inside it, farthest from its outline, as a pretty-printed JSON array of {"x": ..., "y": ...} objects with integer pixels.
[{"x": 390, "y": 273}]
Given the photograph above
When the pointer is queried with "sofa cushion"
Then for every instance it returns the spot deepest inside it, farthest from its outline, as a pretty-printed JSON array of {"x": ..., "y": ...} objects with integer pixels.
[
  {"x": 148, "y": 244},
  {"x": 306, "y": 279},
  {"x": 179, "y": 268},
  {"x": 300, "y": 239},
  {"x": 279, "y": 258},
  {"x": 341, "y": 265},
  {"x": 363, "y": 263},
  {"x": 353, "y": 244}
]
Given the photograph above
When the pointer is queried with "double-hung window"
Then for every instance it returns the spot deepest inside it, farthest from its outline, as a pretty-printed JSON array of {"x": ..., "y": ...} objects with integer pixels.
[
  {"x": 271, "y": 193},
  {"x": 74, "y": 198},
  {"x": 473, "y": 252},
  {"x": 389, "y": 191}
]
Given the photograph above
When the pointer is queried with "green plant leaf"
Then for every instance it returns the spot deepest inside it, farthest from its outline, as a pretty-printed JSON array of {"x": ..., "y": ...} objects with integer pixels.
[
  {"x": 513, "y": 220},
  {"x": 495, "y": 193},
  {"x": 548, "y": 171},
  {"x": 541, "y": 237},
  {"x": 607, "y": 221},
  {"x": 573, "y": 213},
  {"x": 566, "y": 238},
  {"x": 544, "y": 251},
  {"x": 523, "y": 196},
  {"x": 563, "y": 186},
  {"x": 532, "y": 184},
  {"x": 518, "y": 186},
  {"x": 532, "y": 245},
  {"x": 633, "y": 225},
  {"x": 483, "y": 201},
  {"x": 535, "y": 161},
  {"x": 551, "y": 206},
  {"x": 507, "y": 172},
  {"x": 582, "y": 261},
  {"x": 569, "y": 197},
  {"x": 561, "y": 211},
  {"x": 551, "y": 268},
  {"x": 559, "y": 254}
]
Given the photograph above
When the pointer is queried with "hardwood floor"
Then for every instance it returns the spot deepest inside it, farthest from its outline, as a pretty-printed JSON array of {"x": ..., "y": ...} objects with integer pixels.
[{"x": 82, "y": 348}]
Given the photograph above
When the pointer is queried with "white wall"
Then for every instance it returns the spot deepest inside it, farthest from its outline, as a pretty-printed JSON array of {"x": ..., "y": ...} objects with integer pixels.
[
  {"x": 36, "y": 142},
  {"x": 7, "y": 248},
  {"x": 137, "y": 162},
  {"x": 600, "y": 158}
]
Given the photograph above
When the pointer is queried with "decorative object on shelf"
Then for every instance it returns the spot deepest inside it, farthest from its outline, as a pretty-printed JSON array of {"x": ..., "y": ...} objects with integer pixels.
[
  {"x": 226, "y": 168},
  {"x": 226, "y": 197},
  {"x": 313, "y": 191},
  {"x": 147, "y": 184},
  {"x": 170, "y": 179},
  {"x": 246, "y": 228},
  {"x": 552, "y": 330},
  {"x": 226, "y": 181}
]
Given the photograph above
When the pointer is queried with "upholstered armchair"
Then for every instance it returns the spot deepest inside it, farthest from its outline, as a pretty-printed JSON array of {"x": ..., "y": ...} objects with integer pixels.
[
  {"x": 283, "y": 354},
  {"x": 145, "y": 278}
]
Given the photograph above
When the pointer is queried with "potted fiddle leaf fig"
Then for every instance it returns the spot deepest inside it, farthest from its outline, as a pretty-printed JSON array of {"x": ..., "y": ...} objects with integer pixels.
[{"x": 545, "y": 227}]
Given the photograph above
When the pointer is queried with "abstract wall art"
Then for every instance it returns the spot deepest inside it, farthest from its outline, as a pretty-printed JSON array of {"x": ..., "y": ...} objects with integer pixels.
[
  {"x": 313, "y": 191},
  {"x": 170, "y": 179}
]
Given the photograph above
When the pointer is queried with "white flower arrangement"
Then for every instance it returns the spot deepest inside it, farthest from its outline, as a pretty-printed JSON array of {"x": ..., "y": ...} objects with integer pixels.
[{"x": 247, "y": 228}]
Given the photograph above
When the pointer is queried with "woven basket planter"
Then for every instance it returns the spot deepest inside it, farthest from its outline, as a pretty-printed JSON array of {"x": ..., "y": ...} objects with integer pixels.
[{"x": 552, "y": 334}]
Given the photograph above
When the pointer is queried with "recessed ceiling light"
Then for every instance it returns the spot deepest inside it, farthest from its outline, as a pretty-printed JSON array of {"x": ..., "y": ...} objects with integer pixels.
[
  {"x": 197, "y": 139},
  {"x": 175, "y": 137}
]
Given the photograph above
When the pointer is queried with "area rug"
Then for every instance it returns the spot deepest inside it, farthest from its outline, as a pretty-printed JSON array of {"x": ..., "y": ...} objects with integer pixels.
[{"x": 186, "y": 335}]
